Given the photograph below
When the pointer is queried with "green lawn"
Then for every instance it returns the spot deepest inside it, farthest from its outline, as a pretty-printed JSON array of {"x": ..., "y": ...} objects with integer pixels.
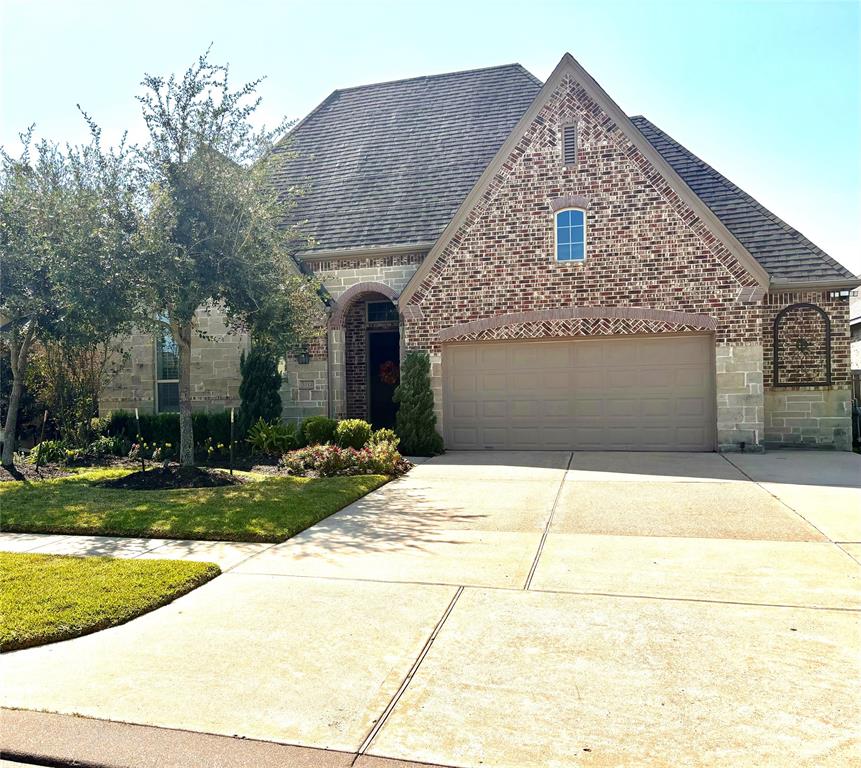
[
  {"x": 46, "y": 598},
  {"x": 269, "y": 510}
]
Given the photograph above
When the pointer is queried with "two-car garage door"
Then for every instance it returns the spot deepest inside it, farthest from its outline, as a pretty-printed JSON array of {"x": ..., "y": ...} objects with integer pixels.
[{"x": 610, "y": 393}]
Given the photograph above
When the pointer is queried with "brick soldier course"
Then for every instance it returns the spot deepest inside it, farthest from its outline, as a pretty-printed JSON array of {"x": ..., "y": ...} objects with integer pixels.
[{"x": 450, "y": 216}]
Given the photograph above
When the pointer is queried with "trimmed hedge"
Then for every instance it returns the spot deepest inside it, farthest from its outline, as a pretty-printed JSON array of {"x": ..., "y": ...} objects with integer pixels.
[{"x": 164, "y": 427}]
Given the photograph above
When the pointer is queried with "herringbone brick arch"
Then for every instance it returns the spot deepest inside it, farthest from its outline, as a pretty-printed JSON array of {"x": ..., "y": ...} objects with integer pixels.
[{"x": 578, "y": 321}]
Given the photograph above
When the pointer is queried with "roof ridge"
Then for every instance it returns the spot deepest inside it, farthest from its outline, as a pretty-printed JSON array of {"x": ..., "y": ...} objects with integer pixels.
[
  {"x": 440, "y": 75},
  {"x": 788, "y": 228}
]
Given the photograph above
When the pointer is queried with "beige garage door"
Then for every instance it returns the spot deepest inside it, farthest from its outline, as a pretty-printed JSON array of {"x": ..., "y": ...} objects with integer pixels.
[{"x": 612, "y": 393}]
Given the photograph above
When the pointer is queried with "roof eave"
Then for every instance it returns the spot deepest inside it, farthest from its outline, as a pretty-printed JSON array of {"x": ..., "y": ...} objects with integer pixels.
[
  {"x": 364, "y": 251},
  {"x": 834, "y": 284}
]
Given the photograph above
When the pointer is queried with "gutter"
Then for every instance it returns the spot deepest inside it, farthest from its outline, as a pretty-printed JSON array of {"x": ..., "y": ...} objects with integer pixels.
[
  {"x": 837, "y": 284},
  {"x": 352, "y": 253}
]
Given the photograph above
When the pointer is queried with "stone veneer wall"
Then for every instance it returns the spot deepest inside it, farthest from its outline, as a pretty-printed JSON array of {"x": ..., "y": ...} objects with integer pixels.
[
  {"x": 345, "y": 369},
  {"x": 807, "y": 416},
  {"x": 740, "y": 406},
  {"x": 339, "y": 273},
  {"x": 215, "y": 376}
]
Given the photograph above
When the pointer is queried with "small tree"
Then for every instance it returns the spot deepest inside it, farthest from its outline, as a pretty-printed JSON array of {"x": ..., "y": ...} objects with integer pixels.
[
  {"x": 67, "y": 379},
  {"x": 415, "y": 423},
  {"x": 260, "y": 390},
  {"x": 213, "y": 227},
  {"x": 66, "y": 217}
]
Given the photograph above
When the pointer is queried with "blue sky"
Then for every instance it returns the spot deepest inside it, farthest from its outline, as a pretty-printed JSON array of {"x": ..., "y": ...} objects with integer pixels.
[{"x": 767, "y": 92}]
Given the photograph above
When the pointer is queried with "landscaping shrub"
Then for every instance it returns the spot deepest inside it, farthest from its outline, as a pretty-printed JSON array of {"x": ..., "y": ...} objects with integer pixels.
[
  {"x": 352, "y": 433},
  {"x": 317, "y": 430},
  {"x": 210, "y": 429},
  {"x": 384, "y": 435},
  {"x": 260, "y": 390},
  {"x": 105, "y": 446},
  {"x": 415, "y": 422},
  {"x": 49, "y": 452},
  {"x": 273, "y": 438},
  {"x": 328, "y": 460}
]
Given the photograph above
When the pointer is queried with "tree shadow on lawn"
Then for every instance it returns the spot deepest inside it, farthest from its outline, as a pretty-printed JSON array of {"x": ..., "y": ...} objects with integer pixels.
[{"x": 270, "y": 510}]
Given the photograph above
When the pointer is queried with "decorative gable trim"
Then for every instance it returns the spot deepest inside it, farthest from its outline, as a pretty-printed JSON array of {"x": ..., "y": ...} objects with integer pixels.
[{"x": 499, "y": 166}]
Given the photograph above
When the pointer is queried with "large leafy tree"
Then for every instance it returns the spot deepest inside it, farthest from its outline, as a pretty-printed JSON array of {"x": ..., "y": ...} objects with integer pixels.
[
  {"x": 213, "y": 225},
  {"x": 67, "y": 217}
]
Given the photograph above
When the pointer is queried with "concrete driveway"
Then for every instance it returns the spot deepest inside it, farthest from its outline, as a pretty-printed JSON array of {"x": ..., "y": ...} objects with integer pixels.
[{"x": 518, "y": 609}]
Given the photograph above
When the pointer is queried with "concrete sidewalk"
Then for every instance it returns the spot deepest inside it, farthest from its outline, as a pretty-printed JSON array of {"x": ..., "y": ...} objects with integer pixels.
[
  {"x": 226, "y": 554},
  {"x": 508, "y": 609}
]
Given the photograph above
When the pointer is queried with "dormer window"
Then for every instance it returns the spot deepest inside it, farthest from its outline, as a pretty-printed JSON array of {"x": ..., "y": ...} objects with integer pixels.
[{"x": 571, "y": 234}]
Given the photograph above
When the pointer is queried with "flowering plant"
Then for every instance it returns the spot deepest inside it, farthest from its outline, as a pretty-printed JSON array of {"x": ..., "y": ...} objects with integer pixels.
[{"x": 328, "y": 460}]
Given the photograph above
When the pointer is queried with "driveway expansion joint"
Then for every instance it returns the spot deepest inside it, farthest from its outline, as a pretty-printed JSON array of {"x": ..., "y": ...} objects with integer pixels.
[
  {"x": 775, "y": 496},
  {"x": 408, "y": 679},
  {"x": 549, "y": 522}
]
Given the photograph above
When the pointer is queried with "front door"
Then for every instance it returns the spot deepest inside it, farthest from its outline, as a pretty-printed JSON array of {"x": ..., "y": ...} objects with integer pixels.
[{"x": 383, "y": 376}]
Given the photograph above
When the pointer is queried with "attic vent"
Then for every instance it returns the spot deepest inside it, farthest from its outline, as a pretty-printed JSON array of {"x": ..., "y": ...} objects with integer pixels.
[{"x": 569, "y": 144}]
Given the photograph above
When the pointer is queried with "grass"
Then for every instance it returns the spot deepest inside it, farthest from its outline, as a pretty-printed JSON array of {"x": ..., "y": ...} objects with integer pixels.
[
  {"x": 268, "y": 510},
  {"x": 46, "y": 598}
]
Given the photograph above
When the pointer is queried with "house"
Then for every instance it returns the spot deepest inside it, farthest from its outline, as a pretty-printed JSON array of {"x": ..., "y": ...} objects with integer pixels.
[{"x": 579, "y": 278}]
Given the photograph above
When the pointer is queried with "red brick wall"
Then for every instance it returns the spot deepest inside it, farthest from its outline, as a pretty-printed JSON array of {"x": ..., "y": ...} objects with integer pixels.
[
  {"x": 645, "y": 247},
  {"x": 356, "y": 354},
  {"x": 356, "y": 360},
  {"x": 797, "y": 366}
]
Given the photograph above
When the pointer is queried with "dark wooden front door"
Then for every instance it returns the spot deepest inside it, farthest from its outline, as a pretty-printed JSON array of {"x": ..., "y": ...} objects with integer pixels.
[{"x": 383, "y": 360}]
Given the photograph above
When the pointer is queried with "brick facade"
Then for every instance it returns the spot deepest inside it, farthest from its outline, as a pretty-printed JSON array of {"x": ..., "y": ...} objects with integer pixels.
[
  {"x": 645, "y": 249},
  {"x": 653, "y": 266}
]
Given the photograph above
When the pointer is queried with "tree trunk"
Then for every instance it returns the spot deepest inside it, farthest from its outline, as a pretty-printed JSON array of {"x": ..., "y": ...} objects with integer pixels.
[
  {"x": 186, "y": 430},
  {"x": 18, "y": 360}
]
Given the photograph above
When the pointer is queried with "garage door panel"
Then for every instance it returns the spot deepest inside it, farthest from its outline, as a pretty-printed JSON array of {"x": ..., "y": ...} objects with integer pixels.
[
  {"x": 609, "y": 393},
  {"x": 556, "y": 408},
  {"x": 464, "y": 383},
  {"x": 691, "y": 406},
  {"x": 493, "y": 382},
  {"x": 492, "y": 409},
  {"x": 520, "y": 408},
  {"x": 621, "y": 407},
  {"x": 587, "y": 378},
  {"x": 465, "y": 409}
]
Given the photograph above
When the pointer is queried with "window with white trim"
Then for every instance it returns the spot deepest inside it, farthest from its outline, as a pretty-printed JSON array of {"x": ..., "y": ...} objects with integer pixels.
[
  {"x": 166, "y": 372},
  {"x": 571, "y": 235}
]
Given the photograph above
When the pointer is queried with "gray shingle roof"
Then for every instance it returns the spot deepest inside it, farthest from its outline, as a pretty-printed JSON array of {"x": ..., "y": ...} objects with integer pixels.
[
  {"x": 389, "y": 164},
  {"x": 785, "y": 253}
]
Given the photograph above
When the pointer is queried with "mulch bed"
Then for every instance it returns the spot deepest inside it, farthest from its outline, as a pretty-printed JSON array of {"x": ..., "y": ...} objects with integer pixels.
[
  {"x": 173, "y": 477},
  {"x": 25, "y": 471}
]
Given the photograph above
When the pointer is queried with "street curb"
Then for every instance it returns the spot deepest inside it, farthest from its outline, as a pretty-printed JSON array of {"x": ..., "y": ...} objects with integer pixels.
[{"x": 59, "y": 741}]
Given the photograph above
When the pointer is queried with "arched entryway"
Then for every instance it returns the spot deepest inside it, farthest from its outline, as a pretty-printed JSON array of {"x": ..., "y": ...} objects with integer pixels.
[{"x": 366, "y": 326}]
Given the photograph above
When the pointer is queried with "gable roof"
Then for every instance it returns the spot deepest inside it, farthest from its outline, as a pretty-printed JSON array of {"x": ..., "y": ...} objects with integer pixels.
[
  {"x": 784, "y": 252},
  {"x": 569, "y": 66},
  {"x": 388, "y": 164}
]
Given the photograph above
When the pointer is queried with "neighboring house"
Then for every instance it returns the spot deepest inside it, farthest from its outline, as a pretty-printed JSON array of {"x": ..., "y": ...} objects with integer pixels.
[
  {"x": 855, "y": 333},
  {"x": 580, "y": 280}
]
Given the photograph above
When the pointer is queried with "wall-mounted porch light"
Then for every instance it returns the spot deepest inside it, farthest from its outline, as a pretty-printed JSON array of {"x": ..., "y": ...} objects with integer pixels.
[{"x": 303, "y": 357}]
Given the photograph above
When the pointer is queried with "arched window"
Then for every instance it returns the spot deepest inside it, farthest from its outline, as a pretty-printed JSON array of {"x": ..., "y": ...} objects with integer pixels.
[{"x": 571, "y": 235}]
